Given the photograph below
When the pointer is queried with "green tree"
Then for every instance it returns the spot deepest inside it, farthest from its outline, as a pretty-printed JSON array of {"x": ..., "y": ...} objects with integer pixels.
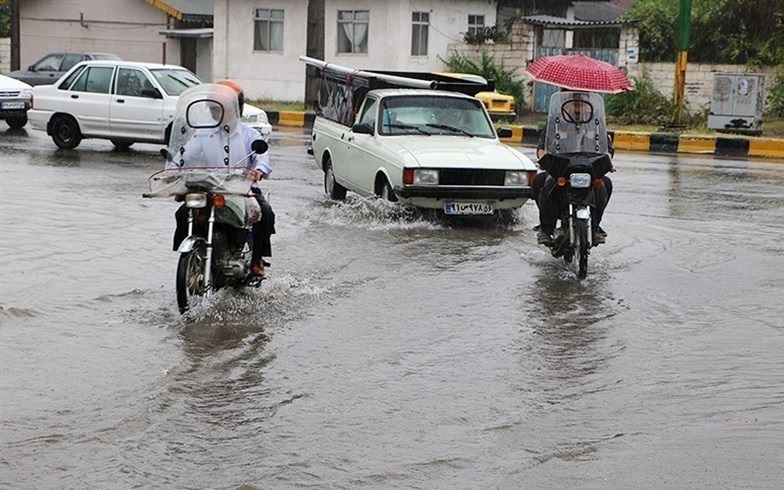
[
  {"x": 722, "y": 31},
  {"x": 5, "y": 18}
]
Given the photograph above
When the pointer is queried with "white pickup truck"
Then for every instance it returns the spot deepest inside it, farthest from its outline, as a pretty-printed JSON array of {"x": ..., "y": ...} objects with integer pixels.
[{"x": 427, "y": 148}]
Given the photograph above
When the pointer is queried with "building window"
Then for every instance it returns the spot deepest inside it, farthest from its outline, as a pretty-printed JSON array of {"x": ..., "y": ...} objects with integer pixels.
[
  {"x": 268, "y": 30},
  {"x": 353, "y": 31},
  {"x": 476, "y": 24},
  {"x": 419, "y": 25}
]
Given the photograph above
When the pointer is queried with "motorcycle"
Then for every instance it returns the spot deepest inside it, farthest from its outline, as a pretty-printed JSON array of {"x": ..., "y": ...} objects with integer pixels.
[
  {"x": 576, "y": 160},
  {"x": 218, "y": 198}
]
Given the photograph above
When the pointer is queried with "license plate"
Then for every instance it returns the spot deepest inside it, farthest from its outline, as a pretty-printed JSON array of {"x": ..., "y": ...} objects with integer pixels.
[
  {"x": 468, "y": 208},
  {"x": 13, "y": 105}
]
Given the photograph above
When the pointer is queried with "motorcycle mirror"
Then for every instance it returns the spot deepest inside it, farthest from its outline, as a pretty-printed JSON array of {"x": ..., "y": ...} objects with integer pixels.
[{"x": 259, "y": 146}]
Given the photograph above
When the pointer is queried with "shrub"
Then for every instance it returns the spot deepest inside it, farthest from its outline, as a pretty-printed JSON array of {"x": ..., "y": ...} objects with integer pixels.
[
  {"x": 505, "y": 80},
  {"x": 775, "y": 100},
  {"x": 644, "y": 105}
]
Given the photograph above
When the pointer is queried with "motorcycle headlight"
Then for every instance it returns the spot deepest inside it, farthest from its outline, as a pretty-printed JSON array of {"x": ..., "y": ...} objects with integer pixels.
[
  {"x": 196, "y": 200},
  {"x": 514, "y": 177},
  {"x": 580, "y": 181}
]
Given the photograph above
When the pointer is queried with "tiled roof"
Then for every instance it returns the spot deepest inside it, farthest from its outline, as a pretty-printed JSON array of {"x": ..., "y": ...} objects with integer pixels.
[
  {"x": 549, "y": 20},
  {"x": 596, "y": 11}
]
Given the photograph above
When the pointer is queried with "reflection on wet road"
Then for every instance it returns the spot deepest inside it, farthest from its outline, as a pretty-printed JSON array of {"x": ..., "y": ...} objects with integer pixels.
[{"x": 390, "y": 350}]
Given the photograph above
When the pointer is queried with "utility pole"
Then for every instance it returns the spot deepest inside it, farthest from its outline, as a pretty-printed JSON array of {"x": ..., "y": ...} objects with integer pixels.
[
  {"x": 680, "y": 62},
  {"x": 15, "y": 55}
]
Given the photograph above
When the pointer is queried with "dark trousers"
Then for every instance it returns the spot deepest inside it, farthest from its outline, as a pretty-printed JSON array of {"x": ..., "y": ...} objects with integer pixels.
[
  {"x": 262, "y": 229},
  {"x": 550, "y": 201}
]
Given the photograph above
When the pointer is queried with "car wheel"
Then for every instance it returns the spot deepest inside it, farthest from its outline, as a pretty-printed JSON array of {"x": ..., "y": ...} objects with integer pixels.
[
  {"x": 65, "y": 133},
  {"x": 332, "y": 188},
  {"x": 17, "y": 122},
  {"x": 384, "y": 190},
  {"x": 122, "y": 145}
]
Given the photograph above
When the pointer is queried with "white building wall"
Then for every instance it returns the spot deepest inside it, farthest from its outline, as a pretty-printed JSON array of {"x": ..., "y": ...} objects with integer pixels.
[
  {"x": 281, "y": 76},
  {"x": 390, "y": 30},
  {"x": 263, "y": 75},
  {"x": 126, "y": 28}
]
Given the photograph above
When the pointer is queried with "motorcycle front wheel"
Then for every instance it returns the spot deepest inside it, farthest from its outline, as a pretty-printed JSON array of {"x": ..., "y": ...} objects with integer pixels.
[
  {"x": 583, "y": 245},
  {"x": 190, "y": 278}
]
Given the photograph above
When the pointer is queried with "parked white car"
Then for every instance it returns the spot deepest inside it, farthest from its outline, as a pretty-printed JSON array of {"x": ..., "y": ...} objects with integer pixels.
[
  {"x": 14, "y": 101},
  {"x": 122, "y": 101},
  {"x": 426, "y": 148}
]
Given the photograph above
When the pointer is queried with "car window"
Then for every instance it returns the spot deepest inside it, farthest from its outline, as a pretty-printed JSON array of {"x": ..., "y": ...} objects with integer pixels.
[
  {"x": 131, "y": 81},
  {"x": 105, "y": 56},
  {"x": 175, "y": 81},
  {"x": 49, "y": 63},
  {"x": 70, "y": 78},
  {"x": 95, "y": 79},
  {"x": 70, "y": 60},
  {"x": 435, "y": 115},
  {"x": 369, "y": 114}
]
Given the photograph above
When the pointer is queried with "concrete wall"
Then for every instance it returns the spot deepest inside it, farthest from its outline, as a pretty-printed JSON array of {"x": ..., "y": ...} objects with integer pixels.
[
  {"x": 128, "y": 29},
  {"x": 699, "y": 80},
  {"x": 5, "y": 54},
  {"x": 699, "y": 77}
]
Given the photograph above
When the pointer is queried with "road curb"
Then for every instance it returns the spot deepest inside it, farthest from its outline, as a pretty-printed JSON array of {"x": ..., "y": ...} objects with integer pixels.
[{"x": 725, "y": 146}]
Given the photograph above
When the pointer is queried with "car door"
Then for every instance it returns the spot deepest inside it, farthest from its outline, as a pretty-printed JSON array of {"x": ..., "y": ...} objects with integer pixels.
[
  {"x": 89, "y": 100},
  {"x": 45, "y": 71},
  {"x": 137, "y": 107},
  {"x": 360, "y": 150}
]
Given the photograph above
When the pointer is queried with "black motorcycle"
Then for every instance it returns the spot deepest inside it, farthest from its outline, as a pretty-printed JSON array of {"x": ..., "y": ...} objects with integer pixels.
[{"x": 576, "y": 160}]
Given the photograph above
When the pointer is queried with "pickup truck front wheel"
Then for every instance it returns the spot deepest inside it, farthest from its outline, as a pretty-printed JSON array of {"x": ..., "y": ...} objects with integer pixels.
[
  {"x": 65, "y": 133},
  {"x": 384, "y": 190},
  {"x": 331, "y": 187}
]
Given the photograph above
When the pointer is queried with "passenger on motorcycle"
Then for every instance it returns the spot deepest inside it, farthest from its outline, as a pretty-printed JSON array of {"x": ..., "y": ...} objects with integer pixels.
[
  {"x": 211, "y": 147},
  {"x": 549, "y": 209}
]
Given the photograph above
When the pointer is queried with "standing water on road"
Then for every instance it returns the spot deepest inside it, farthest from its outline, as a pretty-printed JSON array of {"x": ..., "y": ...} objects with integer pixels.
[{"x": 389, "y": 350}]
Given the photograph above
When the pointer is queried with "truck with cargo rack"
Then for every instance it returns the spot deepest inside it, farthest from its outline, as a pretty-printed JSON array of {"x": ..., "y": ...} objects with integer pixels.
[{"x": 418, "y": 138}]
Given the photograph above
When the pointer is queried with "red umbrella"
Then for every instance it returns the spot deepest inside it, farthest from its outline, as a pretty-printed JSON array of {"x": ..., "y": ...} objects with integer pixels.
[{"x": 579, "y": 72}]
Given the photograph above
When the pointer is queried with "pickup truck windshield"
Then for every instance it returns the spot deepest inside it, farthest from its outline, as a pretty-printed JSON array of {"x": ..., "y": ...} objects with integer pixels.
[{"x": 431, "y": 115}]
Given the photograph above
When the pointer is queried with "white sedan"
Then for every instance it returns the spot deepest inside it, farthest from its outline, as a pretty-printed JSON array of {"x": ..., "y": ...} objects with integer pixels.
[
  {"x": 426, "y": 148},
  {"x": 122, "y": 101},
  {"x": 14, "y": 101}
]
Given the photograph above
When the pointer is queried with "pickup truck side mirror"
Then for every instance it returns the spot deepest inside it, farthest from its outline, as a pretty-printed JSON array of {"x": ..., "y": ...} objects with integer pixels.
[
  {"x": 504, "y": 132},
  {"x": 152, "y": 93},
  {"x": 362, "y": 128},
  {"x": 259, "y": 146}
]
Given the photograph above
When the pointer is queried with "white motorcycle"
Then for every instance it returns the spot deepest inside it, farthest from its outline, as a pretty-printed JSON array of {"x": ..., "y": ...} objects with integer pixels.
[{"x": 218, "y": 196}]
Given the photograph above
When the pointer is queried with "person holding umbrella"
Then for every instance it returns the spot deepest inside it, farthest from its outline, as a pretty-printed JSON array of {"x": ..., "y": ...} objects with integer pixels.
[{"x": 573, "y": 73}]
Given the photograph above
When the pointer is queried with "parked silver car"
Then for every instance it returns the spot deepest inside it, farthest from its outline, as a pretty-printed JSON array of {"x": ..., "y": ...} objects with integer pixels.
[{"x": 52, "y": 66}]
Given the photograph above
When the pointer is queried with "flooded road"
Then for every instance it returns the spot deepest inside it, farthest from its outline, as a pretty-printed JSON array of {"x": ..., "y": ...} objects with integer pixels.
[{"x": 388, "y": 350}]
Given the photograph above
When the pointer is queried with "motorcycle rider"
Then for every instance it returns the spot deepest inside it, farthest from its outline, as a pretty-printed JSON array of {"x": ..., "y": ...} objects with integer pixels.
[
  {"x": 211, "y": 146},
  {"x": 549, "y": 210}
]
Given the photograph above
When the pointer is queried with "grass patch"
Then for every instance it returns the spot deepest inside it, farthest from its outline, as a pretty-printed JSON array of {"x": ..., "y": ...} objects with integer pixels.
[{"x": 281, "y": 105}]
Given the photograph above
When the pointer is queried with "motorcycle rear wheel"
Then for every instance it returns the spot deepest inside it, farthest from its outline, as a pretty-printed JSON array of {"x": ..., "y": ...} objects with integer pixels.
[{"x": 190, "y": 278}]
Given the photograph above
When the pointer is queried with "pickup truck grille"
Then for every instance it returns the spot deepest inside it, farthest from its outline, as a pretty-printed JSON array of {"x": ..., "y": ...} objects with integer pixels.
[{"x": 477, "y": 176}]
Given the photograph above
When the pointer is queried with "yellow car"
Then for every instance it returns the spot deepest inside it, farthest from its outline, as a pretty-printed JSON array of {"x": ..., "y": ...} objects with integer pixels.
[{"x": 497, "y": 104}]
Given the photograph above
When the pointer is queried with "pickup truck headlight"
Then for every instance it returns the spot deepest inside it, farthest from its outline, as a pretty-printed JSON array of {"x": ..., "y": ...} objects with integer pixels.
[
  {"x": 514, "y": 177},
  {"x": 420, "y": 176}
]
